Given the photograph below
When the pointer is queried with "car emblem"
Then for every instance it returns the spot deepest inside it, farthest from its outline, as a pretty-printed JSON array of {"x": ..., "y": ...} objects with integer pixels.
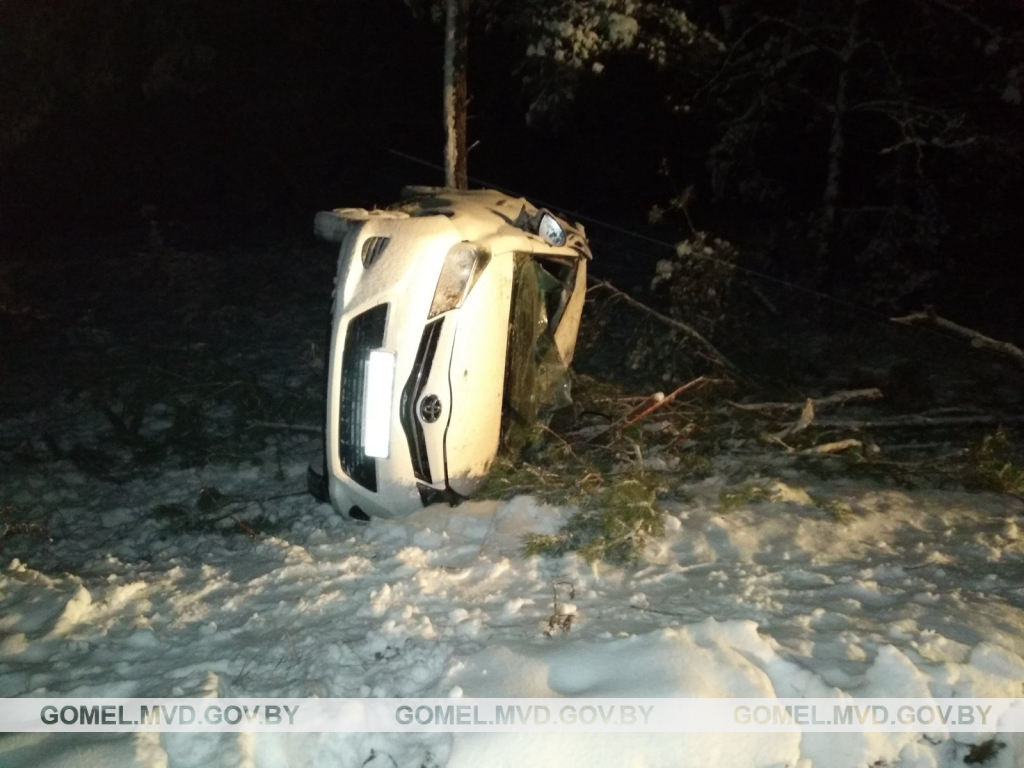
[{"x": 430, "y": 408}]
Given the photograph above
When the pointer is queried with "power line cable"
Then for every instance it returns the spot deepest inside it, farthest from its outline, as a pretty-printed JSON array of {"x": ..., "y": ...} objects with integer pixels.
[{"x": 867, "y": 311}]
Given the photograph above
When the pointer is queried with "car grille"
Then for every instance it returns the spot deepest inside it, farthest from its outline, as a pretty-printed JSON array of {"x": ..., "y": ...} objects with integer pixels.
[
  {"x": 365, "y": 333},
  {"x": 411, "y": 395}
]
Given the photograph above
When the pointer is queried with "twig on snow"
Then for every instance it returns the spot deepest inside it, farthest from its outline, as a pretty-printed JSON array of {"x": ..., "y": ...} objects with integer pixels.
[
  {"x": 802, "y": 423},
  {"x": 837, "y": 398},
  {"x": 652, "y": 404},
  {"x": 249, "y": 531},
  {"x": 559, "y": 620},
  {"x": 830, "y": 448},
  {"x": 920, "y": 420}
]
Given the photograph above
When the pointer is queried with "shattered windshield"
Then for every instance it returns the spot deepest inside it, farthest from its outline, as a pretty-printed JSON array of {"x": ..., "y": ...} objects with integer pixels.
[{"x": 537, "y": 379}]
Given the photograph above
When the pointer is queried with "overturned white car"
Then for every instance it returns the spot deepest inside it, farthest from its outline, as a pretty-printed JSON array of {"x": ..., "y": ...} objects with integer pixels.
[{"x": 454, "y": 314}]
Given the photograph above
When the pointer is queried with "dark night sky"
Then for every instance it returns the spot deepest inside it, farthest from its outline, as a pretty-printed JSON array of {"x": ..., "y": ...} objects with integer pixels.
[
  {"x": 298, "y": 111},
  {"x": 226, "y": 115}
]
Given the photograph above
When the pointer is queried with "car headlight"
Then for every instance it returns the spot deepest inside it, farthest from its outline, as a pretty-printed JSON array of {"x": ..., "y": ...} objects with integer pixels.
[
  {"x": 550, "y": 230},
  {"x": 380, "y": 382},
  {"x": 462, "y": 266}
]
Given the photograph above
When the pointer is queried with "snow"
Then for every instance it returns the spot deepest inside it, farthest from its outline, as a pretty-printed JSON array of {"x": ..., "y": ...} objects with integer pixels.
[
  {"x": 622, "y": 30},
  {"x": 915, "y": 593}
]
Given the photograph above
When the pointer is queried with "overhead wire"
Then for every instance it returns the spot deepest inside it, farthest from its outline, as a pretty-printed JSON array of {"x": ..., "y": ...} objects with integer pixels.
[{"x": 852, "y": 306}]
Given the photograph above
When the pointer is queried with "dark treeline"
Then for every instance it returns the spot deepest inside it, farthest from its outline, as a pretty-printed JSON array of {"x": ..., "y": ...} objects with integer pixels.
[{"x": 870, "y": 148}]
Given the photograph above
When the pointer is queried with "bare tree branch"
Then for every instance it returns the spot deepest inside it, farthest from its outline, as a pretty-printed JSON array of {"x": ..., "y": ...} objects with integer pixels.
[
  {"x": 670, "y": 321},
  {"x": 978, "y": 340},
  {"x": 970, "y": 18}
]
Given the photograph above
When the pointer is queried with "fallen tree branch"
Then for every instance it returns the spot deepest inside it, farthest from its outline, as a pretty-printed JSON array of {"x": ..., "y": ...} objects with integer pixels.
[
  {"x": 669, "y": 321},
  {"x": 978, "y": 340},
  {"x": 647, "y": 402},
  {"x": 562, "y": 440},
  {"x": 13, "y": 527},
  {"x": 920, "y": 420},
  {"x": 654, "y": 403},
  {"x": 830, "y": 448},
  {"x": 248, "y": 502},
  {"x": 802, "y": 423},
  {"x": 837, "y": 398},
  {"x": 248, "y": 529}
]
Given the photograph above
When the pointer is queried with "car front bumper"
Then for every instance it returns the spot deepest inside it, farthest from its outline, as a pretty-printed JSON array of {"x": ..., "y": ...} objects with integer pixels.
[{"x": 384, "y": 308}]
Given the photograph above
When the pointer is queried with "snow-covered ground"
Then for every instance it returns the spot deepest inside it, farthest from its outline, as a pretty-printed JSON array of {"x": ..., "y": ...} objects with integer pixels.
[
  {"x": 828, "y": 587},
  {"x": 913, "y": 594}
]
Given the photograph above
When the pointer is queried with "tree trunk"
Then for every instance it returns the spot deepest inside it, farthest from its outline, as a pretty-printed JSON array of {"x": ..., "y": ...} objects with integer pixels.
[
  {"x": 837, "y": 146},
  {"x": 456, "y": 45}
]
